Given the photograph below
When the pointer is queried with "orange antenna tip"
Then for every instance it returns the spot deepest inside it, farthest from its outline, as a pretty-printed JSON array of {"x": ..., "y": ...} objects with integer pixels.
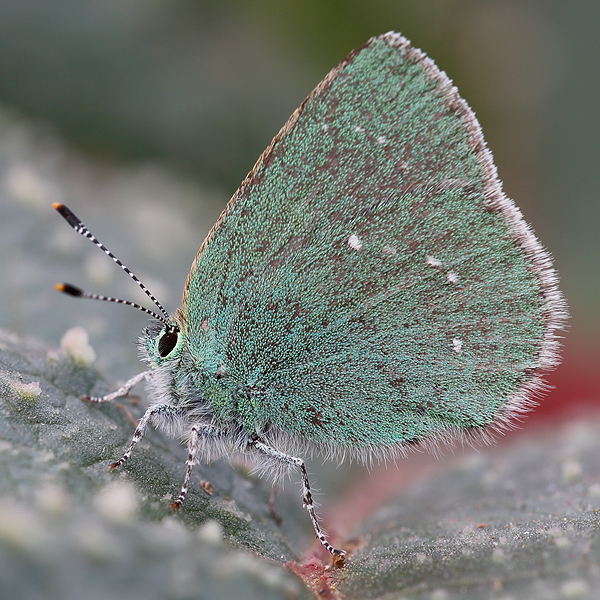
[{"x": 72, "y": 290}]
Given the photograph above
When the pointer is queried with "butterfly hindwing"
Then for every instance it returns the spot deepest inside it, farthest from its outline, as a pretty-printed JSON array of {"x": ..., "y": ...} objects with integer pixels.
[{"x": 369, "y": 284}]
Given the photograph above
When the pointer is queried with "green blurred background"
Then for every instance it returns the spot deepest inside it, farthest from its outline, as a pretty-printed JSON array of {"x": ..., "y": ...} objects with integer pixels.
[{"x": 144, "y": 115}]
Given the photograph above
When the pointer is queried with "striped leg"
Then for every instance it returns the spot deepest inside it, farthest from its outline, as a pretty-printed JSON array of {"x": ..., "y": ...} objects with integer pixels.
[
  {"x": 141, "y": 428},
  {"x": 190, "y": 462},
  {"x": 122, "y": 391},
  {"x": 338, "y": 555},
  {"x": 197, "y": 431}
]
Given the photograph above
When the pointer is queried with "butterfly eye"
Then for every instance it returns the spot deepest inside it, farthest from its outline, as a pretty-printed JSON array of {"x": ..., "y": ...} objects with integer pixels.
[{"x": 167, "y": 342}]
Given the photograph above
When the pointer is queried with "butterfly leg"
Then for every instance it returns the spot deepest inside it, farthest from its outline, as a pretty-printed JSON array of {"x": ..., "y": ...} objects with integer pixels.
[
  {"x": 164, "y": 409},
  {"x": 338, "y": 555},
  {"x": 190, "y": 462},
  {"x": 122, "y": 391},
  {"x": 209, "y": 431},
  {"x": 272, "y": 507}
]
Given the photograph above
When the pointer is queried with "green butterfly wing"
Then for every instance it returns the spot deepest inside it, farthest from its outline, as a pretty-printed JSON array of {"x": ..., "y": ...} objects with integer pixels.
[{"x": 369, "y": 285}]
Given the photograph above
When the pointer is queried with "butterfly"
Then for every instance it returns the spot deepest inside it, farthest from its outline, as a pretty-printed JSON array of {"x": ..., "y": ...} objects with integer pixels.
[{"x": 368, "y": 288}]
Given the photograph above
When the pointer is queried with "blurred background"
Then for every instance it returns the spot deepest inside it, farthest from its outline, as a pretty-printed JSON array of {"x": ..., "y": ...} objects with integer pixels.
[{"x": 145, "y": 115}]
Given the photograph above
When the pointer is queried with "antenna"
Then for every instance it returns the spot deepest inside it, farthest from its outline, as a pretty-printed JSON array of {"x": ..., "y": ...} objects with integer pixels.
[{"x": 72, "y": 290}]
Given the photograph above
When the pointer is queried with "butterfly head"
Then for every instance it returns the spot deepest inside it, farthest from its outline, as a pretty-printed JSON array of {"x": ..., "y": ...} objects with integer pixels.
[{"x": 162, "y": 343}]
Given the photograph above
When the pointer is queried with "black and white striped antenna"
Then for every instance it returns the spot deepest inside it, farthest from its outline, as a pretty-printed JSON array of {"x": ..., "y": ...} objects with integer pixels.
[{"x": 72, "y": 290}]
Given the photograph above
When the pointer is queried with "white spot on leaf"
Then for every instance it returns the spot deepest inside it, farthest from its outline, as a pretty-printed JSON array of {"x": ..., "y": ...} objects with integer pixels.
[
  {"x": 571, "y": 470},
  {"x": 574, "y": 589},
  {"x": 75, "y": 342},
  {"x": 211, "y": 532},
  {"x": 117, "y": 502},
  {"x": 52, "y": 498},
  {"x": 20, "y": 526},
  {"x": 498, "y": 555},
  {"x": 354, "y": 242},
  {"x": 27, "y": 391},
  {"x": 457, "y": 346},
  {"x": 28, "y": 186},
  {"x": 594, "y": 489}
]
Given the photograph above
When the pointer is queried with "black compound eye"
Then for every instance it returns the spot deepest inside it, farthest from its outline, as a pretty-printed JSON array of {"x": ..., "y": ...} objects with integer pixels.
[{"x": 167, "y": 342}]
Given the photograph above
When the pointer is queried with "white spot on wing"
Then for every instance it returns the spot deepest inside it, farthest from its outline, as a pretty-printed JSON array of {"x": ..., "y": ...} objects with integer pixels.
[
  {"x": 433, "y": 262},
  {"x": 325, "y": 127},
  {"x": 390, "y": 250},
  {"x": 359, "y": 129},
  {"x": 452, "y": 277},
  {"x": 354, "y": 242},
  {"x": 381, "y": 139},
  {"x": 457, "y": 346}
]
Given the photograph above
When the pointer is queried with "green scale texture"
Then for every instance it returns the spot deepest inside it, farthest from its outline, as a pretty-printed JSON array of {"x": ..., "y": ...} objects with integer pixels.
[{"x": 430, "y": 319}]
